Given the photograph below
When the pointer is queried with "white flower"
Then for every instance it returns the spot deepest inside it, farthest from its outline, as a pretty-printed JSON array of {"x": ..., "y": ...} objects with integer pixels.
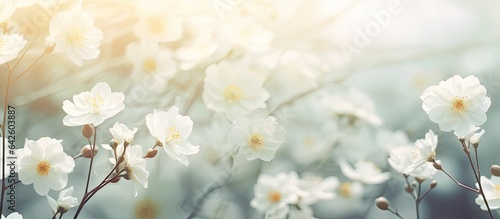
[
  {"x": 491, "y": 189},
  {"x": 149, "y": 59},
  {"x": 121, "y": 133},
  {"x": 472, "y": 130},
  {"x": 7, "y": 8},
  {"x": 366, "y": 172},
  {"x": 135, "y": 166},
  {"x": 425, "y": 171},
  {"x": 389, "y": 140},
  {"x": 258, "y": 135},
  {"x": 64, "y": 201},
  {"x": 351, "y": 190},
  {"x": 401, "y": 158},
  {"x": 233, "y": 89},
  {"x": 93, "y": 107},
  {"x": 13, "y": 215},
  {"x": 156, "y": 24},
  {"x": 172, "y": 130},
  {"x": 456, "y": 104},
  {"x": 316, "y": 188},
  {"x": 10, "y": 46},
  {"x": 45, "y": 165},
  {"x": 73, "y": 32},
  {"x": 274, "y": 193},
  {"x": 423, "y": 151},
  {"x": 352, "y": 105}
]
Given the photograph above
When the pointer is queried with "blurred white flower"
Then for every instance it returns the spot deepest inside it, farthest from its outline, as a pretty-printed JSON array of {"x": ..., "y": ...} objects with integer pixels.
[
  {"x": 389, "y": 140},
  {"x": 258, "y": 135},
  {"x": 10, "y": 46},
  {"x": 400, "y": 158},
  {"x": 366, "y": 172},
  {"x": 301, "y": 212},
  {"x": 248, "y": 34},
  {"x": 424, "y": 151},
  {"x": 13, "y": 215},
  {"x": 93, "y": 107},
  {"x": 157, "y": 24},
  {"x": 233, "y": 89},
  {"x": 274, "y": 193},
  {"x": 121, "y": 133},
  {"x": 73, "y": 32},
  {"x": 7, "y": 8},
  {"x": 172, "y": 130},
  {"x": 45, "y": 165},
  {"x": 149, "y": 59},
  {"x": 351, "y": 190},
  {"x": 491, "y": 189},
  {"x": 352, "y": 105},
  {"x": 317, "y": 188},
  {"x": 456, "y": 104},
  {"x": 64, "y": 201}
]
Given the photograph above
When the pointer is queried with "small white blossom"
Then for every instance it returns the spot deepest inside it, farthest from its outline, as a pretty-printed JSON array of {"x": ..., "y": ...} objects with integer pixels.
[
  {"x": 149, "y": 59},
  {"x": 424, "y": 151},
  {"x": 401, "y": 158},
  {"x": 258, "y": 135},
  {"x": 172, "y": 130},
  {"x": 93, "y": 107},
  {"x": 366, "y": 172},
  {"x": 456, "y": 104},
  {"x": 233, "y": 89},
  {"x": 44, "y": 164},
  {"x": 10, "y": 46},
  {"x": 121, "y": 133},
  {"x": 491, "y": 189},
  {"x": 274, "y": 193},
  {"x": 64, "y": 201},
  {"x": 73, "y": 32}
]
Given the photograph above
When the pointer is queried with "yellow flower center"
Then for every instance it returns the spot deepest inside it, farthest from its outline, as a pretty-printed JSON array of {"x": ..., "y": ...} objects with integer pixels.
[
  {"x": 43, "y": 168},
  {"x": 232, "y": 93},
  {"x": 345, "y": 190},
  {"x": 174, "y": 134},
  {"x": 497, "y": 189},
  {"x": 256, "y": 141},
  {"x": 274, "y": 196},
  {"x": 76, "y": 36},
  {"x": 149, "y": 65},
  {"x": 146, "y": 209},
  {"x": 459, "y": 105},
  {"x": 95, "y": 102}
]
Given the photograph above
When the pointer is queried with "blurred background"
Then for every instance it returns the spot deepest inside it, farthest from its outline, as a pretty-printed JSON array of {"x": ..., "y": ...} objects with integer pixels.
[{"x": 316, "y": 56}]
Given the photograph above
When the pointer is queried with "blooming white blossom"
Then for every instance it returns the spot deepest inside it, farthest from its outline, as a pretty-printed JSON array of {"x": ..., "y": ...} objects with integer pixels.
[
  {"x": 10, "y": 46},
  {"x": 44, "y": 164},
  {"x": 456, "y": 104},
  {"x": 149, "y": 59},
  {"x": 13, "y": 215},
  {"x": 64, "y": 201},
  {"x": 121, "y": 133},
  {"x": 491, "y": 189},
  {"x": 258, "y": 135},
  {"x": 233, "y": 89},
  {"x": 366, "y": 172},
  {"x": 424, "y": 151},
  {"x": 135, "y": 166},
  {"x": 171, "y": 130},
  {"x": 73, "y": 32},
  {"x": 401, "y": 158},
  {"x": 7, "y": 8},
  {"x": 274, "y": 193},
  {"x": 93, "y": 107}
]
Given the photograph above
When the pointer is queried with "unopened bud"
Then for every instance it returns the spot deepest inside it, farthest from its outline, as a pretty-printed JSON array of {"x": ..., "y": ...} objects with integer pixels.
[
  {"x": 115, "y": 179},
  {"x": 495, "y": 170},
  {"x": 474, "y": 139},
  {"x": 112, "y": 143},
  {"x": 87, "y": 151},
  {"x": 382, "y": 203},
  {"x": 434, "y": 183},
  {"x": 408, "y": 189},
  {"x": 437, "y": 165},
  {"x": 87, "y": 131},
  {"x": 152, "y": 152},
  {"x": 127, "y": 175},
  {"x": 50, "y": 48}
]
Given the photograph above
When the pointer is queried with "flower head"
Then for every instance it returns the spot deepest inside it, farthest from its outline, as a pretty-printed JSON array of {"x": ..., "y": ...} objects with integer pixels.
[
  {"x": 258, "y": 135},
  {"x": 424, "y": 151},
  {"x": 121, "y": 133},
  {"x": 73, "y": 32},
  {"x": 456, "y": 104},
  {"x": 44, "y": 164},
  {"x": 171, "y": 130},
  {"x": 64, "y": 201},
  {"x": 366, "y": 172},
  {"x": 135, "y": 166},
  {"x": 491, "y": 189},
  {"x": 10, "y": 46},
  {"x": 93, "y": 107},
  {"x": 274, "y": 193}
]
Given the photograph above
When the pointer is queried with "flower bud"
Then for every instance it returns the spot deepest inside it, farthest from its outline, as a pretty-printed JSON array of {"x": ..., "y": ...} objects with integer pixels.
[
  {"x": 495, "y": 170},
  {"x": 408, "y": 189},
  {"x": 433, "y": 184},
  {"x": 112, "y": 143},
  {"x": 115, "y": 179},
  {"x": 474, "y": 139},
  {"x": 50, "y": 48},
  {"x": 437, "y": 165},
  {"x": 127, "y": 175},
  {"x": 152, "y": 152},
  {"x": 87, "y": 151},
  {"x": 87, "y": 131},
  {"x": 382, "y": 203}
]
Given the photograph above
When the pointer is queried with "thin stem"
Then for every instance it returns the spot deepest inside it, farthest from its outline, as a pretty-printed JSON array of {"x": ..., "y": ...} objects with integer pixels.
[
  {"x": 417, "y": 202},
  {"x": 92, "y": 147},
  {"x": 479, "y": 182},
  {"x": 459, "y": 183},
  {"x": 395, "y": 213},
  {"x": 409, "y": 186},
  {"x": 29, "y": 68}
]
